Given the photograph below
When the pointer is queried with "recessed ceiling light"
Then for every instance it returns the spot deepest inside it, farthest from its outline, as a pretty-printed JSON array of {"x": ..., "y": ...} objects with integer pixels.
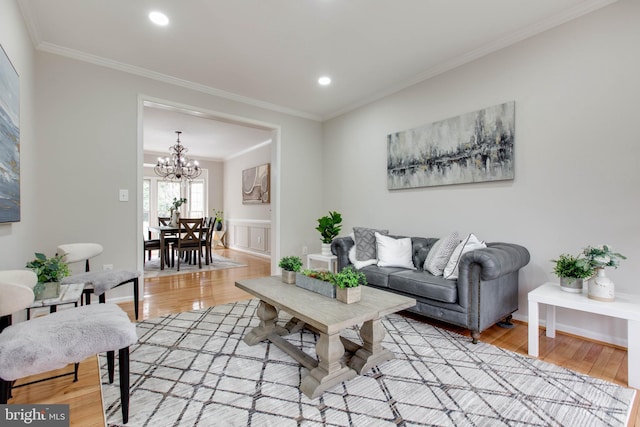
[
  {"x": 159, "y": 18},
  {"x": 324, "y": 81}
]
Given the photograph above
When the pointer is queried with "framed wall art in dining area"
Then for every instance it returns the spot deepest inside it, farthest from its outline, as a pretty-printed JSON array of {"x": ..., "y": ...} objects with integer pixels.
[
  {"x": 256, "y": 185},
  {"x": 9, "y": 140}
]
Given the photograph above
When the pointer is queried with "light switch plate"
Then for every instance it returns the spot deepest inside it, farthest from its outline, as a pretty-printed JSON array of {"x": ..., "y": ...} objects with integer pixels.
[{"x": 124, "y": 195}]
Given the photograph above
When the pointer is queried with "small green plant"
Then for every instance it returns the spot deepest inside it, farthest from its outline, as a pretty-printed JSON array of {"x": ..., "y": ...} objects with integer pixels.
[
  {"x": 290, "y": 263},
  {"x": 349, "y": 277},
  {"x": 600, "y": 257},
  {"x": 329, "y": 226},
  {"x": 319, "y": 274},
  {"x": 175, "y": 205},
  {"x": 568, "y": 266},
  {"x": 218, "y": 215},
  {"x": 51, "y": 269}
]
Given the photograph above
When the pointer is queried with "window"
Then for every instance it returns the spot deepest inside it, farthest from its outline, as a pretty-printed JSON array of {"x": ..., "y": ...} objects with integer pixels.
[
  {"x": 196, "y": 199},
  {"x": 157, "y": 196}
]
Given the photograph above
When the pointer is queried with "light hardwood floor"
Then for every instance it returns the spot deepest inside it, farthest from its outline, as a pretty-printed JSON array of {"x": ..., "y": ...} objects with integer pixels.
[{"x": 185, "y": 292}]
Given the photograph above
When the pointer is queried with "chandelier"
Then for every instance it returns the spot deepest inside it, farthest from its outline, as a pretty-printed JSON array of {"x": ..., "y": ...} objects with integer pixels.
[{"x": 178, "y": 166}]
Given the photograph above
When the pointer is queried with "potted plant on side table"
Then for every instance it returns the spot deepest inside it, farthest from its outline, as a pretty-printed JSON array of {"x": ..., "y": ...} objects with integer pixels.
[
  {"x": 290, "y": 265},
  {"x": 348, "y": 284},
  {"x": 329, "y": 228},
  {"x": 601, "y": 288},
  {"x": 50, "y": 272},
  {"x": 571, "y": 272}
]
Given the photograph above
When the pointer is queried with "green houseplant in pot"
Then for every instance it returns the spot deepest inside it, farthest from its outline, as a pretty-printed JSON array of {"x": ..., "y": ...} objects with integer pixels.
[
  {"x": 348, "y": 284},
  {"x": 290, "y": 265},
  {"x": 572, "y": 272},
  {"x": 49, "y": 271},
  {"x": 318, "y": 281},
  {"x": 601, "y": 288},
  {"x": 329, "y": 228}
]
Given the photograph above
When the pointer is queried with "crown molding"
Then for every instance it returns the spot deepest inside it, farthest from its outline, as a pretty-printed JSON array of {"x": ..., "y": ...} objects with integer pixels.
[
  {"x": 165, "y": 78},
  {"x": 512, "y": 38}
]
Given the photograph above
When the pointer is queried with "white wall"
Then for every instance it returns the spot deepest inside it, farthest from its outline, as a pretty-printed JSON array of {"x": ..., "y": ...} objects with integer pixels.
[
  {"x": 577, "y": 154},
  {"x": 18, "y": 240},
  {"x": 88, "y": 121}
]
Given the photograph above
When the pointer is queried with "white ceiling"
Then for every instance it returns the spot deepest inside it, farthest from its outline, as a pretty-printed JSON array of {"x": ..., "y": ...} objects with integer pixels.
[{"x": 271, "y": 52}]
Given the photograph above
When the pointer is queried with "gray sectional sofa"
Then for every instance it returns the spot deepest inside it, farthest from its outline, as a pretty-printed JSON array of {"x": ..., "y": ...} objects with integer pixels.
[{"x": 485, "y": 293}]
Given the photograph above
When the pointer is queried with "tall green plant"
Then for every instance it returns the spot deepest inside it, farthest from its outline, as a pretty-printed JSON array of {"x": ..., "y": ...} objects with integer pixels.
[{"x": 329, "y": 226}]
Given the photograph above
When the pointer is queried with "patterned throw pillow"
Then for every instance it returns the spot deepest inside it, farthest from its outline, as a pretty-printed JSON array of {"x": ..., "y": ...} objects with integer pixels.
[
  {"x": 469, "y": 244},
  {"x": 366, "y": 242},
  {"x": 440, "y": 253}
]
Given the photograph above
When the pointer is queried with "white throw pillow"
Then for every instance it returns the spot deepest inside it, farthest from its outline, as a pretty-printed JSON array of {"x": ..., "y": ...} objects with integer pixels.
[
  {"x": 469, "y": 244},
  {"x": 394, "y": 252},
  {"x": 440, "y": 253},
  {"x": 359, "y": 264}
]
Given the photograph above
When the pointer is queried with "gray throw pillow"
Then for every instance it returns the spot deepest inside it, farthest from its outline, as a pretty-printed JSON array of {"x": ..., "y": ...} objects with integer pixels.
[{"x": 366, "y": 242}]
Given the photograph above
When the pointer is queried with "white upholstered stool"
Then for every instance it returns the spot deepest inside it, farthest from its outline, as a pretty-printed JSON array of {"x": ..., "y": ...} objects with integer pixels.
[
  {"x": 97, "y": 282},
  {"x": 54, "y": 341}
]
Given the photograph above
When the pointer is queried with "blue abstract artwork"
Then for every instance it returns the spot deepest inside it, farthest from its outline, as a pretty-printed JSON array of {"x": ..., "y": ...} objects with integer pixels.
[
  {"x": 472, "y": 147},
  {"x": 9, "y": 141}
]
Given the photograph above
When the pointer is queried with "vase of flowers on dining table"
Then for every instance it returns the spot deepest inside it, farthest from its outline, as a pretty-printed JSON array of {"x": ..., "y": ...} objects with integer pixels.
[{"x": 175, "y": 213}]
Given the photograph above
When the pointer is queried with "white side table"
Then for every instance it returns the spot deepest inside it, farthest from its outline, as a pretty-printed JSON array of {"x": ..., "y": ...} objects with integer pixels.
[
  {"x": 331, "y": 260},
  {"x": 625, "y": 306},
  {"x": 69, "y": 294}
]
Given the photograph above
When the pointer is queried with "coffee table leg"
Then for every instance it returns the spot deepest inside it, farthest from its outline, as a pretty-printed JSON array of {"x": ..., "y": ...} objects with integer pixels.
[
  {"x": 268, "y": 316},
  {"x": 330, "y": 370},
  {"x": 371, "y": 353}
]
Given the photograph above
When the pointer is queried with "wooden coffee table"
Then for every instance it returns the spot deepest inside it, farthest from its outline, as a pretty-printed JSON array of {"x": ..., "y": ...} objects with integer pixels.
[{"x": 328, "y": 317}]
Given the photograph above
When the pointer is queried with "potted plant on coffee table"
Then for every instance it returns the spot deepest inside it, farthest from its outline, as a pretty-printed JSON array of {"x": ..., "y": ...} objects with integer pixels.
[
  {"x": 348, "y": 284},
  {"x": 329, "y": 228},
  {"x": 290, "y": 265},
  {"x": 318, "y": 281},
  {"x": 50, "y": 272},
  {"x": 572, "y": 272}
]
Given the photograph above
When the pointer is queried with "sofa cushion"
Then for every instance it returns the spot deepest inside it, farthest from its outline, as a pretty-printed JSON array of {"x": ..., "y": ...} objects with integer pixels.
[
  {"x": 423, "y": 284},
  {"x": 379, "y": 276},
  {"x": 440, "y": 253},
  {"x": 469, "y": 244},
  {"x": 394, "y": 252},
  {"x": 366, "y": 242}
]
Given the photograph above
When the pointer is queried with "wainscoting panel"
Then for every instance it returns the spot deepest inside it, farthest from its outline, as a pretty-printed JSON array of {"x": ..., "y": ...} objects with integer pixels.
[{"x": 252, "y": 236}]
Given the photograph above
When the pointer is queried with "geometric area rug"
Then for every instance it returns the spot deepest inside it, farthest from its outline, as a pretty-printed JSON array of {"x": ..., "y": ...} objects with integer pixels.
[
  {"x": 218, "y": 262},
  {"x": 193, "y": 368}
]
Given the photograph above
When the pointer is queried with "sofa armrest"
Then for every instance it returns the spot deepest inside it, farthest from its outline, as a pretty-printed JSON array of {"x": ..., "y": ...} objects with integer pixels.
[
  {"x": 340, "y": 247},
  {"x": 496, "y": 260}
]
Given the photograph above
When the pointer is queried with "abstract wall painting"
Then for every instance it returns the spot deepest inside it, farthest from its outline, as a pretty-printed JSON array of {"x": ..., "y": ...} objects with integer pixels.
[
  {"x": 256, "y": 185},
  {"x": 9, "y": 141},
  {"x": 472, "y": 147}
]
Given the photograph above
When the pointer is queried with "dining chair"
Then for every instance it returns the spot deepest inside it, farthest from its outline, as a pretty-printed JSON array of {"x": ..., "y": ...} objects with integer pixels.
[
  {"x": 190, "y": 238},
  {"x": 170, "y": 239},
  {"x": 209, "y": 225},
  {"x": 150, "y": 245}
]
